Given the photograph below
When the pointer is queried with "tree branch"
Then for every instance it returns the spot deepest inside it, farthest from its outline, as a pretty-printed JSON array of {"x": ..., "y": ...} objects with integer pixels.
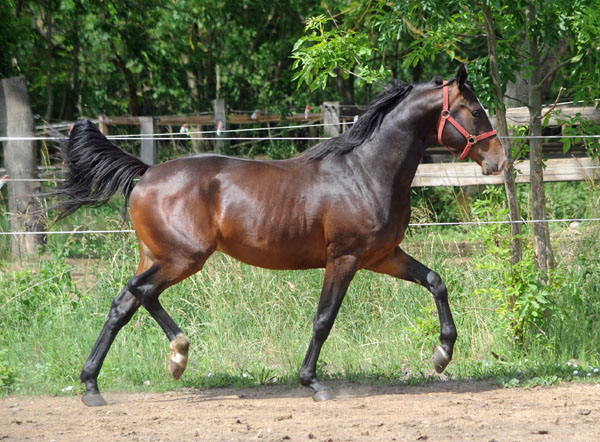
[
  {"x": 560, "y": 91},
  {"x": 553, "y": 71},
  {"x": 516, "y": 99}
]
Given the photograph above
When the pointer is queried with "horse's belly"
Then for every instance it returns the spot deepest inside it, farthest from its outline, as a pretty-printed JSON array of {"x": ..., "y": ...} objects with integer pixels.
[{"x": 275, "y": 252}]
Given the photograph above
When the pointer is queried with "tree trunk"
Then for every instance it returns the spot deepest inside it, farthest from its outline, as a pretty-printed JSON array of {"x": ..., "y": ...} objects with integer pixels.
[
  {"x": 345, "y": 87},
  {"x": 134, "y": 106},
  {"x": 20, "y": 161},
  {"x": 49, "y": 51},
  {"x": 509, "y": 178},
  {"x": 73, "y": 91},
  {"x": 543, "y": 248}
]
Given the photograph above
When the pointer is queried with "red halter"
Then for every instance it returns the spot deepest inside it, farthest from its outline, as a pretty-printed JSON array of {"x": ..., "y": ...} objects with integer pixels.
[{"x": 471, "y": 139}]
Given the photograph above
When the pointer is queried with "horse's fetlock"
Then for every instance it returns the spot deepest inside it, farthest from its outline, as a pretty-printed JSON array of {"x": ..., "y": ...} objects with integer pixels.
[
  {"x": 180, "y": 344},
  {"x": 306, "y": 377}
]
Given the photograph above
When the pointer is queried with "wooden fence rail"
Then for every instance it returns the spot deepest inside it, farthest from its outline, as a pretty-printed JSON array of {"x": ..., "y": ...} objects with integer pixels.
[
  {"x": 335, "y": 117},
  {"x": 517, "y": 116},
  {"x": 469, "y": 173}
]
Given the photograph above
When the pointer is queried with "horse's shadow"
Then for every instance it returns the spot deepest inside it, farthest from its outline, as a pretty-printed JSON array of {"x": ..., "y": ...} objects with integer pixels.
[{"x": 343, "y": 390}]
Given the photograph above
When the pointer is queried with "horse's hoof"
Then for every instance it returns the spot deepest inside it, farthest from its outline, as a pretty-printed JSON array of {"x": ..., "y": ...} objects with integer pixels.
[
  {"x": 324, "y": 395},
  {"x": 93, "y": 400},
  {"x": 176, "y": 369},
  {"x": 179, "y": 356},
  {"x": 440, "y": 360}
]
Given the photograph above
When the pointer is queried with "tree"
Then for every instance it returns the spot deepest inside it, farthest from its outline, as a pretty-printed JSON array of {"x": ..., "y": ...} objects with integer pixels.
[
  {"x": 504, "y": 40},
  {"x": 153, "y": 57}
]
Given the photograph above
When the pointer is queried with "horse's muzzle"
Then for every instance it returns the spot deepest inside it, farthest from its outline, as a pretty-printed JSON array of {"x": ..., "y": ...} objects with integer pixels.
[{"x": 488, "y": 168}]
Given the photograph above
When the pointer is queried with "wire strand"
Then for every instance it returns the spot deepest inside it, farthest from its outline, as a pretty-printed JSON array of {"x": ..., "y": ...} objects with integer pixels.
[
  {"x": 180, "y": 137},
  {"x": 443, "y": 224}
]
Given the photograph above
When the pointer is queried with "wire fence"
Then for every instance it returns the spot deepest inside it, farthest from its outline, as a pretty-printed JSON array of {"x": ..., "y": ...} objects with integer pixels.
[
  {"x": 189, "y": 136},
  {"x": 457, "y": 174},
  {"x": 438, "y": 224}
]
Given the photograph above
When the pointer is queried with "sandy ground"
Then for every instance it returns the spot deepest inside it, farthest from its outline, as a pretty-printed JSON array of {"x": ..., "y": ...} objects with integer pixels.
[{"x": 437, "y": 412}]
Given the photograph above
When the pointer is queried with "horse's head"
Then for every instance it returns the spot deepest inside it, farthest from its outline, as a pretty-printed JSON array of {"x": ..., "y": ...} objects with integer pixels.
[{"x": 465, "y": 129}]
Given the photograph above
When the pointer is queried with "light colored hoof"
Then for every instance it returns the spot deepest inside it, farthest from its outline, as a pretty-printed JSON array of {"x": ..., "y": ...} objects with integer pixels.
[
  {"x": 323, "y": 395},
  {"x": 179, "y": 356},
  {"x": 176, "y": 369},
  {"x": 93, "y": 400},
  {"x": 440, "y": 360}
]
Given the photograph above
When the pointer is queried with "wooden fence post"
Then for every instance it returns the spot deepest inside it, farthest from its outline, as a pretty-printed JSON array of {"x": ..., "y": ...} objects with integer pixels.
[
  {"x": 149, "y": 151},
  {"x": 20, "y": 161},
  {"x": 220, "y": 121},
  {"x": 331, "y": 117},
  {"x": 103, "y": 124}
]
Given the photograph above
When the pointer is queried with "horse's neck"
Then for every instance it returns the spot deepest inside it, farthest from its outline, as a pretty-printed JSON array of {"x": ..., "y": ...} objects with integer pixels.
[{"x": 395, "y": 151}]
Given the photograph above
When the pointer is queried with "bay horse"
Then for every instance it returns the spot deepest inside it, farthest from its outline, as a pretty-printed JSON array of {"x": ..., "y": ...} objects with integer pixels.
[{"x": 343, "y": 204}]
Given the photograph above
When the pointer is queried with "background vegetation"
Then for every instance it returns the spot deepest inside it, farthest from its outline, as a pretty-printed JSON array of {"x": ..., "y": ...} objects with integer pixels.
[
  {"x": 251, "y": 326},
  {"x": 152, "y": 57}
]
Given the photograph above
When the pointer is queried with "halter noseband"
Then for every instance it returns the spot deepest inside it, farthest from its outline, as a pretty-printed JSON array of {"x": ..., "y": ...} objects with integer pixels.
[{"x": 471, "y": 139}]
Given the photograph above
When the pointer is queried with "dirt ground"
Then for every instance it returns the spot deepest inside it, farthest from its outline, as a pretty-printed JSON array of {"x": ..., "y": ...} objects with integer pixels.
[{"x": 443, "y": 411}]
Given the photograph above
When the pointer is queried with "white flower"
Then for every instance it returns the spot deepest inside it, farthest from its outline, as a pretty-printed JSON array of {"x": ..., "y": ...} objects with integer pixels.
[{"x": 575, "y": 372}]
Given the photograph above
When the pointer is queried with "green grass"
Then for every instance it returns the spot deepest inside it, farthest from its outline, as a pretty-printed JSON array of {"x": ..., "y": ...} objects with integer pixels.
[{"x": 250, "y": 326}]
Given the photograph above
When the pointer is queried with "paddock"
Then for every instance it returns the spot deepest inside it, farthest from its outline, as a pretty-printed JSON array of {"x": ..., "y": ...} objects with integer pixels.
[{"x": 444, "y": 410}]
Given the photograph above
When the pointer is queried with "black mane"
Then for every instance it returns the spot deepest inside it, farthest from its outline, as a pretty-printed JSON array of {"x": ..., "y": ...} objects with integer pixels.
[{"x": 362, "y": 130}]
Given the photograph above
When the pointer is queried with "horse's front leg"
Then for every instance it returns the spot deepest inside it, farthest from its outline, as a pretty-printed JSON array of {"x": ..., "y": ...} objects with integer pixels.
[
  {"x": 403, "y": 266},
  {"x": 338, "y": 275}
]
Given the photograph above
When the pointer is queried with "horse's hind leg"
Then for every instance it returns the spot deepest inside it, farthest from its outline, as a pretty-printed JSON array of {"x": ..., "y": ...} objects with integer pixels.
[
  {"x": 154, "y": 276},
  {"x": 122, "y": 309},
  {"x": 147, "y": 287},
  {"x": 151, "y": 279},
  {"x": 403, "y": 266}
]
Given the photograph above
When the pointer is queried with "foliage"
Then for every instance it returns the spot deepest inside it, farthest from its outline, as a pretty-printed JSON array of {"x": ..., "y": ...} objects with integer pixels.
[
  {"x": 154, "y": 57},
  {"x": 7, "y": 374},
  {"x": 527, "y": 300},
  {"x": 579, "y": 126},
  {"x": 432, "y": 34},
  {"x": 250, "y": 326},
  {"x": 322, "y": 53}
]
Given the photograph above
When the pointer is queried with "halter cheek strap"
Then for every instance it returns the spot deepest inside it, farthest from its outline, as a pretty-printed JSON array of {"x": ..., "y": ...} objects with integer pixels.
[{"x": 471, "y": 139}]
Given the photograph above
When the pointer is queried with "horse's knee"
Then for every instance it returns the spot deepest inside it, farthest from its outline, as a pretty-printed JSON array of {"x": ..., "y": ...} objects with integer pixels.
[{"x": 321, "y": 327}]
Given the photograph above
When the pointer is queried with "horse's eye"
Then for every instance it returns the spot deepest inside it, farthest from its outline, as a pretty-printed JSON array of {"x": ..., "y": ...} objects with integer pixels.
[{"x": 476, "y": 113}]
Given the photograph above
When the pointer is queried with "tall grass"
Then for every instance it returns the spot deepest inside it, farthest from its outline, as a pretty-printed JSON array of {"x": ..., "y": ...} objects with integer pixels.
[{"x": 251, "y": 326}]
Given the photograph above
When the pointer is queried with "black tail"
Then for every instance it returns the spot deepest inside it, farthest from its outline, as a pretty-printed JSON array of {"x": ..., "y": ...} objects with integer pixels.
[{"x": 95, "y": 169}]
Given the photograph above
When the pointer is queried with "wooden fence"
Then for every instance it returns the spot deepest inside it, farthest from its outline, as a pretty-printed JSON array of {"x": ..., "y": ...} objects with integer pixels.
[
  {"x": 469, "y": 173},
  {"x": 336, "y": 119}
]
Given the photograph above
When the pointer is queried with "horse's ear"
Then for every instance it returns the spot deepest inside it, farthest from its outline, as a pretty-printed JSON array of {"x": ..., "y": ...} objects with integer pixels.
[{"x": 461, "y": 76}]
